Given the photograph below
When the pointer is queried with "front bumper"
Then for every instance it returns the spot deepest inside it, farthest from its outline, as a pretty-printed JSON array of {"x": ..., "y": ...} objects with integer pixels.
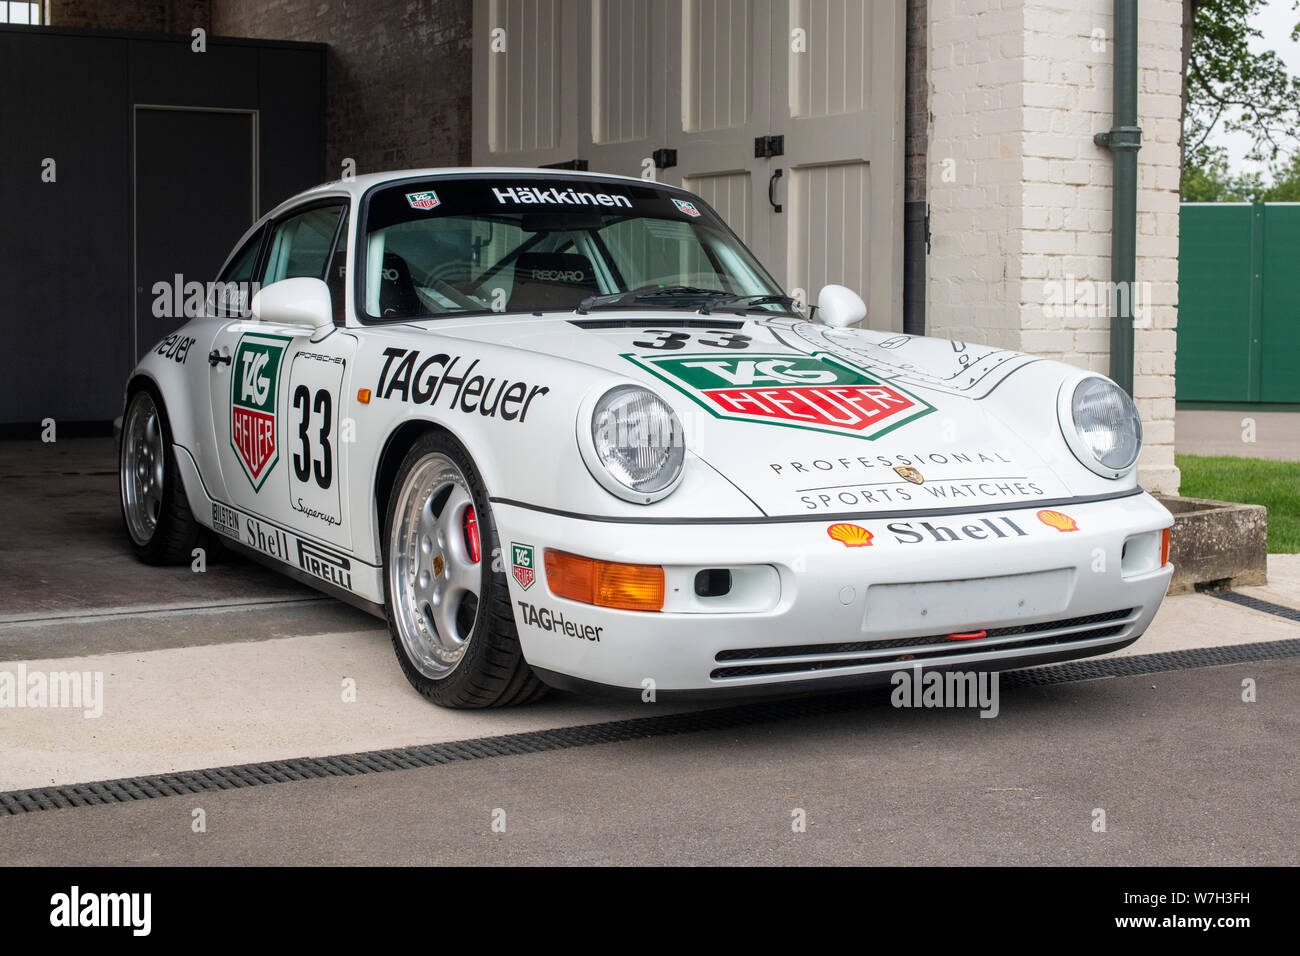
[{"x": 816, "y": 613}]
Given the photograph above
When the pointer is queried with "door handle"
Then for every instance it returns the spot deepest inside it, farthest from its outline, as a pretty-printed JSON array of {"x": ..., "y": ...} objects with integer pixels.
[
  {"x": 215, "y": 357},
  {"x": 771, "y": 190}
]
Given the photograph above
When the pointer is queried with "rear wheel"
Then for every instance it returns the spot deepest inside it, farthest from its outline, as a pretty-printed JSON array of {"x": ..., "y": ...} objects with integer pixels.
[
  {"x": 154, "y": 508},
  {"x": 448, "y": 605}
]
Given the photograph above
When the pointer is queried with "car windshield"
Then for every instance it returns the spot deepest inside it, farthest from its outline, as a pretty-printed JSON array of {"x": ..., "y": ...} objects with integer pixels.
[{"x": 449, "y": 247}]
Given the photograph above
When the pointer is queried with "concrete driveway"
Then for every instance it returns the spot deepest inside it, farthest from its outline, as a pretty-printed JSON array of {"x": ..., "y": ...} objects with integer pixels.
[{"x": 237, "y": 666}]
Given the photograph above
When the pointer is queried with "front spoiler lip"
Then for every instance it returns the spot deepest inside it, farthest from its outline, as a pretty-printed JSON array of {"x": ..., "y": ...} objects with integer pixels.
[{"x": 817, "y": 684}]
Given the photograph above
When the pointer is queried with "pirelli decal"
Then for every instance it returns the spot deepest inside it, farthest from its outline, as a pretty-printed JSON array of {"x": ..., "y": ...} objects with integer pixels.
[{"x": 319, "y": 561}]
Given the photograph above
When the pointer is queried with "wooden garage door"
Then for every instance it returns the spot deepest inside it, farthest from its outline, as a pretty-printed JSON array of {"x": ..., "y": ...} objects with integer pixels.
[{"x": 613, "y": 82}]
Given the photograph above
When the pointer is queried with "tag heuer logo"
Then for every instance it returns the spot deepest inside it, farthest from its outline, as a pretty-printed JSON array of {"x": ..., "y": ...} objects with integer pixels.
[
  {"x": 426, "y": 200},
  {"x": 819, "y": 392},
  {"x": 521, "y": 564},
  {"x": 686, "y": 207},
  {"x": 255, "y": 374}
]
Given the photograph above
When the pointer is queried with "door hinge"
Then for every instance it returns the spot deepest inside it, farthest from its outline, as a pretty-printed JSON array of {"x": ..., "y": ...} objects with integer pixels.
[
  {"x": 664, "y": 158},
  {"x": 765, "y": 147},
  {"x": 577, "y": 164}
]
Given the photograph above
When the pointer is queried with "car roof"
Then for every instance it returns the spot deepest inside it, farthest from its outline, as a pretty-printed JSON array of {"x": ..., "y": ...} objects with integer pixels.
[
  {"x": 357, "y": 186},
  {"x": 360, "y": 183}
]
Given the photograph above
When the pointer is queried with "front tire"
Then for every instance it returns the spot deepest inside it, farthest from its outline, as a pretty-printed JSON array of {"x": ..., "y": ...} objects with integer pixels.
[
  {"x": 157, "y": 515},
  {"x": 447, "y": 601}
]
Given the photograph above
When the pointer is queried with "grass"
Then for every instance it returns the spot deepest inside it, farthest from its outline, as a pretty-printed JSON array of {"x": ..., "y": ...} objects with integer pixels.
[{"x": 1274, "y": 484}]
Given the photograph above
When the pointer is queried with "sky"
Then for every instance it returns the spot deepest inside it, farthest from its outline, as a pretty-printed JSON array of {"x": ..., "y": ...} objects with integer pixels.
[{"x": 1274, "y": 21}]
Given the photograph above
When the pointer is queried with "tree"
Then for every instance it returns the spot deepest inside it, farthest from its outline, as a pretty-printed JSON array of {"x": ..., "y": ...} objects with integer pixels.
[
  {"x": 1214, "y": 182},
  {"x": 1229, "y": 88},
  {"x": 1286, "y": 183}
]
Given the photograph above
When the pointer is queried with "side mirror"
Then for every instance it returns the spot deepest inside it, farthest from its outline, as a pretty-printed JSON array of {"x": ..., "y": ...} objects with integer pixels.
[
  {"x": 838, "y": 306},
  {"x": 303, "y": 302}
]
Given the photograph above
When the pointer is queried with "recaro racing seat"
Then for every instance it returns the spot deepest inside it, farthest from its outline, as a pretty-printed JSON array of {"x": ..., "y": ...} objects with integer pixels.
[
  {"x": 551, "y": 280},
  {"x": 397, "y": 296}
]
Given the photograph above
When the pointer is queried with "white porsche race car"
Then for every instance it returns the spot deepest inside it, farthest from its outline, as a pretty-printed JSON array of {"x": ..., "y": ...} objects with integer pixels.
[{"x": 563, "y": 429}]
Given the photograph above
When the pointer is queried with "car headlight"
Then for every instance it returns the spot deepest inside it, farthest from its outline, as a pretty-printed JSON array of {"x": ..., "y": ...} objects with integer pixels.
[
  {"x": 1101, "y": 425},
  {"x": 637, "y": 443}
]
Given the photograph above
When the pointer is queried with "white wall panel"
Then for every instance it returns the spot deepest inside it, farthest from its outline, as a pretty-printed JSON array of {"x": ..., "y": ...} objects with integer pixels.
[
  {"x": 729, "y": 194},
  {"x": 830, "y": 227},
  {"x": 718, "y": 50},
  {"x": 524, "y": 85},
  {"x": 621, "y": 72}
]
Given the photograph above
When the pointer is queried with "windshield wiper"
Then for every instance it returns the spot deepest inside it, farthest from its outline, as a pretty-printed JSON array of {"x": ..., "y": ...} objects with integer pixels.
[
  {"x": 750, "y": 302},
  {"x": 648, "y": 292}
]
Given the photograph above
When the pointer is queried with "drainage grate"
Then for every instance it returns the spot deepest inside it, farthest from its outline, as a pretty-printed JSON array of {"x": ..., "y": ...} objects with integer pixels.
[
  {"x": 431, "y": 755},
  {"x": 1255, "y": 604}
]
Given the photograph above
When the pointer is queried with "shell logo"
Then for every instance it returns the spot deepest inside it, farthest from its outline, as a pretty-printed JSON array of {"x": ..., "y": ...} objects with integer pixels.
[
  {"x": 1061, "y": 522},
  {"x": 850, "y": 535}
]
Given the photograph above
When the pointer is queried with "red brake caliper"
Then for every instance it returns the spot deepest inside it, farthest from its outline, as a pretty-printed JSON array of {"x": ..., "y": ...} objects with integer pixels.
[{"x": 471, "y": 535}]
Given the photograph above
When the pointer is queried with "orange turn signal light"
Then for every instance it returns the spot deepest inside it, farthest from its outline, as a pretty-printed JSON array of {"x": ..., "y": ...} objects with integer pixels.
[
  {"x": 1164, "y": 547},
  {"x": 363, "y": 396},
  {"x": 628, "y": 587}
]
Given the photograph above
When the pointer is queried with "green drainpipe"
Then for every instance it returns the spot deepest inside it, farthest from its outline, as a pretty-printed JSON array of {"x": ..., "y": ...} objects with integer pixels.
[{"x": 1124, "y": 140}]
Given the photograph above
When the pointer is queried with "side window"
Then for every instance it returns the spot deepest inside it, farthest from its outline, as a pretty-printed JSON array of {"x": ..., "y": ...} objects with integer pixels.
[
  {"x": 234, "y": 289},
  {"x": 337, "y": 279},
  {"x": 301, "y": 245}
]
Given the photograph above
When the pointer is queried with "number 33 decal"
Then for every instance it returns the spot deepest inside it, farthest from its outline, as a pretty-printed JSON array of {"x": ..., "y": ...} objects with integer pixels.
[
  {"x": 671, "y": 341},
  {"x": 305, "y": 463}
]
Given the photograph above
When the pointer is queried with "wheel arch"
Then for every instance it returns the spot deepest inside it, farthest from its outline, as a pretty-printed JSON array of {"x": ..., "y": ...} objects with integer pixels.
[
  {"x": 395, "y": 447},
  {"x": 137, "y": 382}
]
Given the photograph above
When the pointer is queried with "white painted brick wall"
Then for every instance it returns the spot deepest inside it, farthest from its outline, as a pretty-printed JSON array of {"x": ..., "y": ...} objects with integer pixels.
[{"x": 1020, "y": 196}]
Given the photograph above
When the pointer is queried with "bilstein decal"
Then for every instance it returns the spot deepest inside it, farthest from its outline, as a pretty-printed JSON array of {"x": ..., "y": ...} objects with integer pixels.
[
  {"x": 428, "y": 379},
  {"x": 816, "y": 392}
]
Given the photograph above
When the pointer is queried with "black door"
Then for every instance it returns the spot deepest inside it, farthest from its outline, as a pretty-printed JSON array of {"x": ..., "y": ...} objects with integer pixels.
[{"x": 194, "y": 197}]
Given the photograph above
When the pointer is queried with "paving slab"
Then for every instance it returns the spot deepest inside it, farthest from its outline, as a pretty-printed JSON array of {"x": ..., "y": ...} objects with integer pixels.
[{"x": 1185, "y": 771}]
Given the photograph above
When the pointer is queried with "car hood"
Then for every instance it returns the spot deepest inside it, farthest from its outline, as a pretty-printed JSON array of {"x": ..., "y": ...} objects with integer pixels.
[{"x": 809, "y": 420}]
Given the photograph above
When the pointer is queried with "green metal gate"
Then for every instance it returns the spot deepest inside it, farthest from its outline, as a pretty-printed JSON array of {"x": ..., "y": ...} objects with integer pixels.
[{"x": 1239, "y": 303}]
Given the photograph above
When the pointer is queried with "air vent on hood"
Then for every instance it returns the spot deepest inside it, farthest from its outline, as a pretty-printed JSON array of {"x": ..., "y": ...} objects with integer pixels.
[{"x": 645, "y": 323}]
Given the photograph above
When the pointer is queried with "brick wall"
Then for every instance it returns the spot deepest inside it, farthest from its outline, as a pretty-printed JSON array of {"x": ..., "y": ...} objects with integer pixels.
[
  {"x": 1020, "y": 196},
  {"x": 153, "y": 16},
  {"x": 398, "y": 74}
]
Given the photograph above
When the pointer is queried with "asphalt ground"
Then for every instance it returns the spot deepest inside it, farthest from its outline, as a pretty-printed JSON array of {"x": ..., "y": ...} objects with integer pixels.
[{"x": 235, "y": 665}]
